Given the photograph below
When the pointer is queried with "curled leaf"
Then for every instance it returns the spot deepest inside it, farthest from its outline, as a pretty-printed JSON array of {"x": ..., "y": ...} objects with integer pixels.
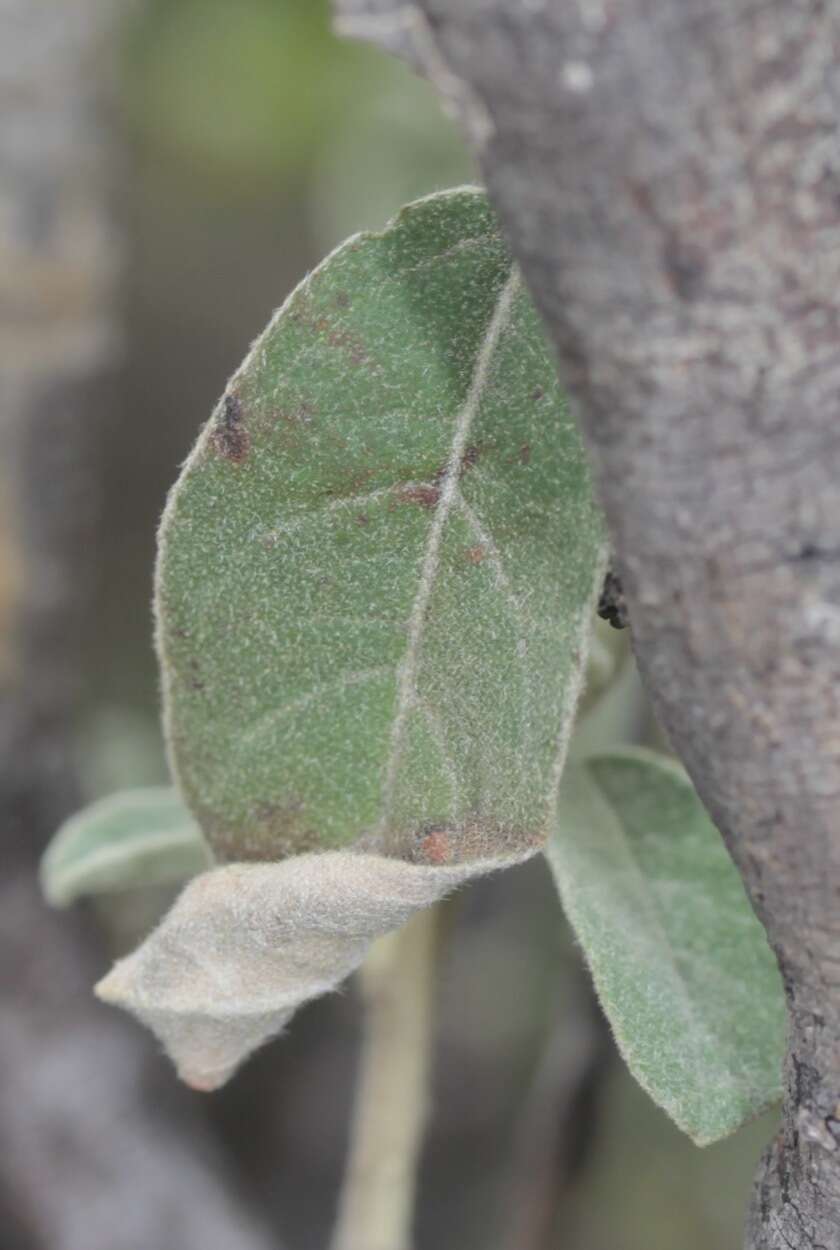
[
  {"x": 246, "y": 944},
  {"x": 133, "y": 838}
]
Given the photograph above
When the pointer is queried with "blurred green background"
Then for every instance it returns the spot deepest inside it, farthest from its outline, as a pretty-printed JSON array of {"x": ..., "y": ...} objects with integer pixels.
[{"x": 255, "y": 141}]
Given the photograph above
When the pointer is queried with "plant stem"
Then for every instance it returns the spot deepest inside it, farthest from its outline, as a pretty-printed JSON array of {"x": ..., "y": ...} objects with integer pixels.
[{"x": 377, "y": 1198}]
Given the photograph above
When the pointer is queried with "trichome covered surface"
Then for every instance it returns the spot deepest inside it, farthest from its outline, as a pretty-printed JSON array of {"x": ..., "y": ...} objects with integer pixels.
[{"x": 378, "y": 567}]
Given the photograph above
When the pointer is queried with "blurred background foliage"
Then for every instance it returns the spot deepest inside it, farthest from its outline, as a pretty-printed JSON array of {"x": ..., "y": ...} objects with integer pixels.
[{"x": 255, "y": 141}]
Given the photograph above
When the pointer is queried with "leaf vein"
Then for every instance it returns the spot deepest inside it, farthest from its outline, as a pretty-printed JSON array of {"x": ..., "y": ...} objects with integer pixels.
[
  {"x": 339, "y": 685},
  {"x": 713, "y": 1042},
  {"x": 503, "y": 582},
  {"x": 406, "y": 678}
]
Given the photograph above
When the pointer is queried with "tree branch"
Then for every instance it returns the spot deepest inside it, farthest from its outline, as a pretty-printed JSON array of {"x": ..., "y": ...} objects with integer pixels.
[{"x": 667, "y": 173}]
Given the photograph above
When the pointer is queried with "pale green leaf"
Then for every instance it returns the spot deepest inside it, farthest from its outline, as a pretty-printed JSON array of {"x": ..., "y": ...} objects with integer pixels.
[
  {"x": 245, "y": 945},
  {"x": 680, "y": 962},
  {"x": 378, "y": 569},
  {"x": 136, "y": 837}
]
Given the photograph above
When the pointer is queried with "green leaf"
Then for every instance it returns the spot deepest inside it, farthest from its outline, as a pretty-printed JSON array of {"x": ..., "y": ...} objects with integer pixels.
[
  {"x": 378, "y": 569},
  {"x": 680, "y": 962},
  {"x": 136, "y": 837}
]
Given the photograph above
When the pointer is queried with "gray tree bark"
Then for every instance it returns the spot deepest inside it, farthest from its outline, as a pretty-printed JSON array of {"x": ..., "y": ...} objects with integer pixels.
[
  {"x": 668, "y": 174},
  {"x": 89, "y": 1157}
]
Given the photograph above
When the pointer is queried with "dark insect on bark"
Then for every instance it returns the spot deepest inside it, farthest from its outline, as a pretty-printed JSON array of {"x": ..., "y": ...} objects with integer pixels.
[{"x": 611, "y": 605}]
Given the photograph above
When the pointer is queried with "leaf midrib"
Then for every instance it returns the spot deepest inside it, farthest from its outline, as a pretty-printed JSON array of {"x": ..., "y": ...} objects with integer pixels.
[
  {"x": 407, "y": 669},
  {"x": 666, "y": 945}
]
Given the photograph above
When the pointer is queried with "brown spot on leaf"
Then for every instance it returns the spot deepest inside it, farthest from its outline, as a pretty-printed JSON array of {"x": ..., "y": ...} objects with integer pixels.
[
  {"x": 320, "y": 324},
  {"x": 349, "y": 484},
  {"x": 472, "y": 839},
  {"x": 342, "y": 299},
  {"x": 475, "y": 555},
  {"x": 525, "y": 454},
  {"x": 361, "y": 518},
  {"x": 469, "y": 458},
  {"x": 194, "y": 674},
  {"x": 343, "y": 340},
  {"x": 273, "y": 831},
  {"x": 293, "y": 418},
  {"x": 230, "y": 437},
  {"x": 537, "y": 393},
  {"x": 425, "y": 495},
  {"x": 434, "y": 846}
]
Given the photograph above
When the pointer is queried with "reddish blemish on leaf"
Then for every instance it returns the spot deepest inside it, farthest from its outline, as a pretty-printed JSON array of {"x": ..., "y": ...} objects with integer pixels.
[
  {"x": 342, "y": 339},
  {"x": 426, "y": 496},
  {"x": 475, "y": 555},
  {"x": 468, "y": 460},
  {"x": 435, "y": 847}
]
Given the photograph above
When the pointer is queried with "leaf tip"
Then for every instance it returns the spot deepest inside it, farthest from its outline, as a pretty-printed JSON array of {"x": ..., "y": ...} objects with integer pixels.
[
  {"x": 111, "y": 989},
  {"x": 205, "y": 1081},
  {"x": 54, "y": 895}
]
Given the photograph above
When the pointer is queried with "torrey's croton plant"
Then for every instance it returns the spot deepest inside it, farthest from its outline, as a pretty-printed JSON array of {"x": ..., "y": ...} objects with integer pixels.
[{"x": 377, "y": 580}]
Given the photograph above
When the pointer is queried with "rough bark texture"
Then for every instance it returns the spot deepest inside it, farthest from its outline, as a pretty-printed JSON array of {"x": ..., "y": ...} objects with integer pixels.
[
  {"x": 88, "y": 1158},
  {"x": 668, "y": 175}
]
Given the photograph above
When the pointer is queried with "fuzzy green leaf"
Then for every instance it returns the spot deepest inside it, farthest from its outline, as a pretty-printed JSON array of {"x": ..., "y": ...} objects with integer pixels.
[
  {"x": 680, "y": 962},
  {"x": 134, "y": 838},
  {"x": 378, "y": 568}
]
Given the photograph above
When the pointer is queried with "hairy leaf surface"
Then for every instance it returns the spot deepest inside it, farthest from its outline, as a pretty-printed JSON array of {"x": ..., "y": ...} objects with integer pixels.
[
  {"x": 246, "y": 945},
  {"x": 378, "y": 568},
  {"x": 680, "y": 962},
  {"x": 136, "y": 837}
]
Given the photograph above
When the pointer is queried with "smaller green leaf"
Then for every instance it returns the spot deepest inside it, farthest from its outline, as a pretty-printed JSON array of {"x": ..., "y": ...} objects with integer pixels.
[
  {"x": 133, "y": 838},
  {"x": 679, "y": 960}
]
